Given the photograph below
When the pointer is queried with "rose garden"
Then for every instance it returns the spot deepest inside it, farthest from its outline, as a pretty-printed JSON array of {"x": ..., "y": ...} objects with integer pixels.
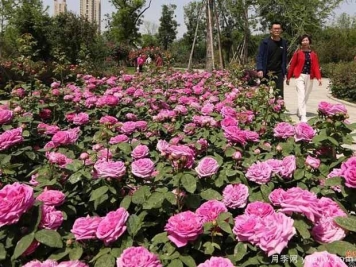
[{"x": 170, "y": 168}]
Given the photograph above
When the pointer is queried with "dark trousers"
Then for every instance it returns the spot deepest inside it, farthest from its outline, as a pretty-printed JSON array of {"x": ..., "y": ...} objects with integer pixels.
[{"x": 278, "y": 79}]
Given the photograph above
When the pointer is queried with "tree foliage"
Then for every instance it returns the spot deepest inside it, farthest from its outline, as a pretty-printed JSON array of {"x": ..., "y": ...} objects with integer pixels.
[{"x": 167, "y": 31}]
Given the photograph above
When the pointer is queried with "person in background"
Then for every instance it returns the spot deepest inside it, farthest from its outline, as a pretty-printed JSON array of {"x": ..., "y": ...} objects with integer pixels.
[
  {"x": 272, "y": 58},
  {"x": 140, "y": 62},
  {"x": 159, "y": 60},
  {"x": 304, "y": 67}
]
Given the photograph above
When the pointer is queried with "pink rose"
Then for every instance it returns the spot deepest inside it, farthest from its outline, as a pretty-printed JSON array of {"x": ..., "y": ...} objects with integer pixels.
[
  {"x": 275, "y": 164},
  {"x": 182, "y": 156},
  {"x": 10, "y": 138},
  {"x": 32, "y": 248},
  {"x": 304, "y": 132},
  {"x": 121, "y": 138},
  {"x": 245, "y": 228},
  {"x": 288, "y": 166},
  {"x": 327, "y": 231},
  {"x": 162, "y": 146},
  {"x": 284, "y": 130},
  {"x": 259, "y": 172},
  {"x": 217, "y": 262},
  {"x": 59, "y": 159},
  {"x": 350, "y": 177},
  {"x": 5, "y": 116},
  {"x": 140, "y": 151},
  {"x": 85, "y": 227},
  {"x": 210, "y": 210},
  {"x": 329, "y": 208},
  {"x": 274, "y": 233},
  {"x": 128, "y": 127},
  {"x": 259, "y": 209},
  {"x": 183, "y": 227},
  {"x": 296, "y": 200},
  {"x": 235, "y": 196},
  {"x": 312, "y": 162},
  {"x": 138, "y": 257},
  {"x": 66, "y": 137},
  {"x": 51, "y": 218},
  {"x": 52, "y": 197},
  {"x": 235, "y": 135},
  {"x": 110, "y": 120},
  {"x": 207, "y": 166},
  {"x": 36, "y": 263},
  {"x": 323, "y": 259},
  {"x": 109, "y": 169},
  {"x": 81, "y": 118},
  {"x": 143, "y": 168},
  {"x": 112, "y": 226},
  {"x": 75, "y": 263},
  {"x": 15, "y": 200},
  {"x": 229, "y": 121}
]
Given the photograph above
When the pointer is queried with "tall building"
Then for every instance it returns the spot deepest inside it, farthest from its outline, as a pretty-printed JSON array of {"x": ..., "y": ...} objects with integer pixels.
[
  {"x": 60, "y": 6},
  {"x": 91, "y": 9}
]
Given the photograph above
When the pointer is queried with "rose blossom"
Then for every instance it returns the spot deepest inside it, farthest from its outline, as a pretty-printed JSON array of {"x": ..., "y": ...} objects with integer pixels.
[
  {"x": 109, "y": 169},
  {"x": 143, "y": 168},
  {"x": 207, "y": 166},
  {"x": 259, "y": 209},
  {"x": 137, "y": 257},
  {"x": 140, "y": 151},
  {"x": 81, "y": 118},
  {"x": 66, "y": 137},
  {"x": 288, "y": 166},
  {"x": 327, "y": 231},
  {"x": 37, "y": 263},
  {"x": 304, "y": 132},
  {"x": 259, "y": 172},
  {"x": 112, "y": 226},
  {"x": 52, "y": 197},
  {"x": 323, "y": 259},
  {"x": 275, "y": 164},
  {"x": 235, "y": 196},
  {"x": 182, "y": 156},
  {"x": 5, "y": 116},
  {"x": 274, "y": 232},
  {"x": 51, "y": 218},
  {"x": 349, "y": 175},
  {"x": 210, "y": 210},
  {"x": 183, "y": 227},
  {"x": 284, "y": 130},
  {"x": 110, "y": 120},
  {"x": 216, "y": 262},
  {"x": 75, "y": 263},
  {"x": 312, "y": 162},
  {"x": 245, "y": 228},
  {"x": 235, "y": 135},
  {"x": 15, "y": 199},
  {"x": 85, "y": 227},
  {"x": 121, "y": 138},
  {"x": 58, "y": 158},
  {"x": 10, "y": 138}
]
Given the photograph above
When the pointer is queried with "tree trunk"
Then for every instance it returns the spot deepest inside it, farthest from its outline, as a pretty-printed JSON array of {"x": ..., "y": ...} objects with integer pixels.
[{"x": 209, "y": 66}]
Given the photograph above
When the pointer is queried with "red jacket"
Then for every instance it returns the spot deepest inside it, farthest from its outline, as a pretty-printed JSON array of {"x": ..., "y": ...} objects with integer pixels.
[{"x": 297, "y": 64}]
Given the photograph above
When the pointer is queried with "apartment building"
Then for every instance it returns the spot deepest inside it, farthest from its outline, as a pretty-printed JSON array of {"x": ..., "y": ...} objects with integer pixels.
[
  {"x": 60, "y": 6},
  {"x": 91, "y": 9}
]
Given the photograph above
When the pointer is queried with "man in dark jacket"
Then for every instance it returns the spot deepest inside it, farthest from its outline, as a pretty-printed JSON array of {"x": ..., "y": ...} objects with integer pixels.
[{"x": 272, "y": 58}]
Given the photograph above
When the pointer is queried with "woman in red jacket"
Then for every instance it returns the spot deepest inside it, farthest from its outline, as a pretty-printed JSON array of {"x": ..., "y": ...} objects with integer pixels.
[{"x": 304, "y": 67}]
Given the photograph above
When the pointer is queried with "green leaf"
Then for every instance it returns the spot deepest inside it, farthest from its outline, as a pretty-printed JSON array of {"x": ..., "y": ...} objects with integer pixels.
[
  {"x": 209, "y": 248},
  {"x": 265, "y": 190},
  {"x": 59, "y": 254},
  {"x": 125, "y": 202},
  {"x": 141, "y": 195},
  {"x": 302, "y": 228},
  {"x": 175, "y": 263},
  {"x": 2, "y": 252},
  {"x": 189, "y": 182},
  {"x": 49, "y": 238},
  {"x": 105, "y": 261},
  {"x": 342, "y": 248},
  {"x": 348, "y": 223},
  {"x": 97, "y": 193},
  {"x": 188, "y": 261},
  {"x": 229, "y": 152},
  {"x": 299, "y": 174},
  {"x": 160, "y": 238},
  {"x": 154, "y": 201},
  {"x": 6, "y": 160},
  {"x": 210, "y": 194},
  {"x": 76, "y": 253},
  {"x": 125, "y": 147},
  {"x": 333, "y": 181},
  {"x": 333, "y": 141},
  {"x": 75, "y": 177},
  {"x": 231, "y": 173},
  {"x": 240, "y": 251},
  {"x": 134, "y": 224},
  {"x": 22, "y": 245},
  {"x": 225, "y": 226},
  {"x": 102, "y": 252},
  {"x": 31, "y": 155}
]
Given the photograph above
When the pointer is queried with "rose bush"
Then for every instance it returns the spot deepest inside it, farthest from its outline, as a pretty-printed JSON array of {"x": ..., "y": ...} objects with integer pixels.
[{"x": 175, "y": 169}]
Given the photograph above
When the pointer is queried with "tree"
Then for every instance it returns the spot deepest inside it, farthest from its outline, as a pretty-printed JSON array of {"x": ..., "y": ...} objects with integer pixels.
[
  {"x": 167, "y": 30},
  {"x": 124, "y": 25}
]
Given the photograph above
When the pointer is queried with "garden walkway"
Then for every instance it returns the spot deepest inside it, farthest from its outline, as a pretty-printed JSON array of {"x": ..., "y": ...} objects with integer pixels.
[{"x": 319, "y": 93}]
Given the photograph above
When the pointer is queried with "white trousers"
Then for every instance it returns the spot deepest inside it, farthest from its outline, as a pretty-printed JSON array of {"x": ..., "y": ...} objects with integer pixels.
[{"x": 304, "y": 86}]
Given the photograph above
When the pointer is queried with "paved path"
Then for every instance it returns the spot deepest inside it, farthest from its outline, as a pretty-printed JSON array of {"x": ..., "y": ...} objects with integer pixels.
[{"x": 319, "y": 93}]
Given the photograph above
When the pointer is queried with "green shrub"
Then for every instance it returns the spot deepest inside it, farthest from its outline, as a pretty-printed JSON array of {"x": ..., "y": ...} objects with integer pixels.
[{"x": 343, "y": 80}]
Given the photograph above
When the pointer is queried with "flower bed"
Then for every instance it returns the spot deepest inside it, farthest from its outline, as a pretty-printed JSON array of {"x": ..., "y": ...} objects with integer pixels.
[{"x": 176, "y": 169}]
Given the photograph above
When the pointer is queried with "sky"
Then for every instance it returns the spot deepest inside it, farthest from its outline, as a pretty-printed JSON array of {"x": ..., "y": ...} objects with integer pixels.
[{"x": 154, "y": 12}]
